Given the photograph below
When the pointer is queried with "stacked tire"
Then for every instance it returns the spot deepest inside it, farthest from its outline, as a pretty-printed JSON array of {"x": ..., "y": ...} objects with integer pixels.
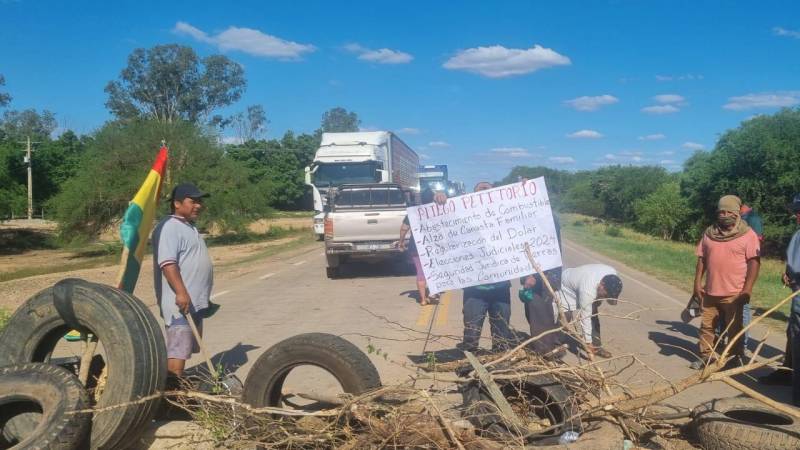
[{"x": 135, "y": 354}]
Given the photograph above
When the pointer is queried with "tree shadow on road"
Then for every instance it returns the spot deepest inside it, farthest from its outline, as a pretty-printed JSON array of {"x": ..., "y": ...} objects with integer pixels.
[{"x": 671, "y": 345}]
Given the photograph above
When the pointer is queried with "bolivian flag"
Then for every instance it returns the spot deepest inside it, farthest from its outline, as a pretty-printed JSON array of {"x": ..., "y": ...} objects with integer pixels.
[{"x": 137, "y": 223}]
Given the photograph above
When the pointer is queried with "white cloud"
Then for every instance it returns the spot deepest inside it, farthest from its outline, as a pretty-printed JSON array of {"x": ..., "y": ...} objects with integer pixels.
[
  {"x": 247, "y": 40},
  {"x": 669, "y": 98},
  {"x": 780, "y": 31},
  {"x": 585, "y": 134},
  {"x": 652, "y": 137},
  {"x": 637, "y": 159},
  {"x": 409, "y": 131},
  {"x": 587, "y": 103},
  {"x": 693, "y": 146},
  {"x": 561, "y": 160},
  {"x": 610, "y": 157},
  {"x": 688, "y": 76},
  {"x": 512, "y": 152},
  {"x": 630, "y": 153},
  {"x": 440, "y": 144},
  {"x": 666, "y": 162},
  {"x": 380, "y": 56},
  {"x": 424, "y": 156},
  {"x": 368, "y": 128},
  {"x": 666, "y": 153},
  {"x": 660, "y": 109},
  {"x": 778, "y": 99},
  {"x": 498, "y": 62}
]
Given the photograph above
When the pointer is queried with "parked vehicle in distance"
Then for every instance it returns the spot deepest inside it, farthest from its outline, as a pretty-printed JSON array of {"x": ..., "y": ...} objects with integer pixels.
[
  {"x": 363, "y": 222},
  {"x": 362, "y": 157}
]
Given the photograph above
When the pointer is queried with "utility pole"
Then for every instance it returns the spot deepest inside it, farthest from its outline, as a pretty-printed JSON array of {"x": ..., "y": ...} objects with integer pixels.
[{"x": 29, "y": 163}]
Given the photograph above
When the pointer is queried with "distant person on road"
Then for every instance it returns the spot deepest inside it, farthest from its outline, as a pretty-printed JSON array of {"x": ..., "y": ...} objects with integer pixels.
[
  {"x": 411, "y": 246},
  {"x": 791, "y": 278},
  {"x": 183, "y": 273},
  {"x": 728, "y": 256},
  {"x": 583, "y": 289}
]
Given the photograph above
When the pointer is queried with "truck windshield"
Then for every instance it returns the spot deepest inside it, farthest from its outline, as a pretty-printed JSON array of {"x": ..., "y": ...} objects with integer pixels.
[{"x": 335, "y": 174}]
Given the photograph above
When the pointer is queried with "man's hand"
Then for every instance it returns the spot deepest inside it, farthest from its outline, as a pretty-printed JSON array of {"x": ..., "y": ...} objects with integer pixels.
[
  {"x": 183, "y": 301},
  {"x": 401, "y": 245},
  {"x": 744, "y": 297},
  {"x": 786, "y": 280},
  {"x": 699, "y": 292},
  {"x": 440, "y": 198}
]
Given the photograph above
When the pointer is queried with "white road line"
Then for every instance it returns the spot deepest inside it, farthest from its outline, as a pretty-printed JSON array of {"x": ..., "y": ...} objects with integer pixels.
[
  {"x": 299, "y": 263},
  {"x": 652, "y": 289},
  {"x": 264, "y": 277},
  {"x": 219, "y": 294}
]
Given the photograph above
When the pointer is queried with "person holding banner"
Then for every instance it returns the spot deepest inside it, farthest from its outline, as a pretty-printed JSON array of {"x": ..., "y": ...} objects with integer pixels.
[
  {"x": 411, "y": 247},
  {"x": 183, "y": 273},
  {"x": 493, "y": 299}
]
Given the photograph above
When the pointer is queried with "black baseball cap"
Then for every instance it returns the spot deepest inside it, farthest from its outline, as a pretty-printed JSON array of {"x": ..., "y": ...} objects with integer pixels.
[
  {"x": 187, "y": 190},
  {"x": 613, "y": 285}
]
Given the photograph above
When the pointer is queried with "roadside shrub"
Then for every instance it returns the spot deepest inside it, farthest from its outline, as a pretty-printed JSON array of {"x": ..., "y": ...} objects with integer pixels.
[
  {"x": 613, "y": 231},
  {"x": 4, "y": 316}
]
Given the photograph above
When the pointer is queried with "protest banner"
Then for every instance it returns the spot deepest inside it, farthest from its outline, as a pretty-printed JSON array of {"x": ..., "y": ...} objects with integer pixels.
[{"x": 480, "y": 238}]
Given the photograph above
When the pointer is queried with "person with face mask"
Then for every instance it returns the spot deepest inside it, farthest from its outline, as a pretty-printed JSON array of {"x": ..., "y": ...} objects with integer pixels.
[{"x": 728, "y": 255}]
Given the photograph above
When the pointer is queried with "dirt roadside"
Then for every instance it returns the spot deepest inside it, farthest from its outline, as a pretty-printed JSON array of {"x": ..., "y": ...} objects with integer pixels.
[{"x": 13, "y": 293}]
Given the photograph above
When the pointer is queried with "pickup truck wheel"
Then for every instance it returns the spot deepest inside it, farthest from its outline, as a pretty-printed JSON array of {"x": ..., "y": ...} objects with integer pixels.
[{"x": 332, "y": 272}]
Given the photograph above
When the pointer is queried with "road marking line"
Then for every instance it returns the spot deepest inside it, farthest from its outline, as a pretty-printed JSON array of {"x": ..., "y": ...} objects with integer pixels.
[
  {"x": 219, "y": 294},
  {"x": 425, "y": 313},
  {"x": 640, "y": 283},
  {"x": 264, "y": 277},
  {"x": 444, "y": 306},
  {"x": 299, "y": 263}
]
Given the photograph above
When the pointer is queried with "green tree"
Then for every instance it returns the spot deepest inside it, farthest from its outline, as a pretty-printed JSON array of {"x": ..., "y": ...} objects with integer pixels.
[
  {"x": 580, "y": 197},
  {"x": 339, "y": 120},
  {"x": 663, "y": 212},
  {"x": 5, "y": 97},
  {"x": 169, "y": 82},
  {"x": 118, "y": 159},
  {"x": 557, "y": 181},
  {"x": 249, "y": 125},
  {"x": 19, "y": 125},
  {"x": 760, "y": 162},
  {"x": 618, "y": 187}
]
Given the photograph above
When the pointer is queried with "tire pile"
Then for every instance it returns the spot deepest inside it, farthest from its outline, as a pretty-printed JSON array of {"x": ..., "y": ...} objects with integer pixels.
[{"x": 39, "y": 400}]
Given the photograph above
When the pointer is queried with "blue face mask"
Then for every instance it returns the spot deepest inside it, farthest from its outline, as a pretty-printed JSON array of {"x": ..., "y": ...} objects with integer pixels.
[{"x": 526, "y": 295}]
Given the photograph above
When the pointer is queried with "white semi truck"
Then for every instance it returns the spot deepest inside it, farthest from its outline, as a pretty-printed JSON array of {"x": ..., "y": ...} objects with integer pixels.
[{"x": 358, "y": 158}]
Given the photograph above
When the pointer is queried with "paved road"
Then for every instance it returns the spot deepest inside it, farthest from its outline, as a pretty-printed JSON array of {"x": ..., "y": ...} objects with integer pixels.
[{"x": 373, "y": 307}]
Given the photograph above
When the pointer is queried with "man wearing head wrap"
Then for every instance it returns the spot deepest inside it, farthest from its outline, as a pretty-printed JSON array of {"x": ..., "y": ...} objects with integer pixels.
[
  {"x": 791, "y": 278},
  {"x": 728, "y": 255}
]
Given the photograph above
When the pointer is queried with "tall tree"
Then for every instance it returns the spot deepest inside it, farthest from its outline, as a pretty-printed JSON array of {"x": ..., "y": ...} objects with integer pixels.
[
  {"x": 339, "y": 120},
  {"x": 170, "y": 82},
  {"x": 5, "y": 98},
  {"x": 18, "y": 125},
  {"x": 250, "y": 125}
]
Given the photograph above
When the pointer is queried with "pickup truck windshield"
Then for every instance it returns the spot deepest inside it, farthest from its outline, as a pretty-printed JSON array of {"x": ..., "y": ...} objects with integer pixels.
[
  {"x": 336, "y": 174},
  {"x": 370, "y": 197}
]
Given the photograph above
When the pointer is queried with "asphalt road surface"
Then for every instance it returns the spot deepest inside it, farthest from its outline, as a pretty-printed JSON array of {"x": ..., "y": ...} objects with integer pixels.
[{"x": 373, "y": 306}]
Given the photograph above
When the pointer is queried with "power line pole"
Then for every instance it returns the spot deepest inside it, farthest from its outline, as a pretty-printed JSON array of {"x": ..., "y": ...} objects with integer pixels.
[{"x": 29, "y": 163}]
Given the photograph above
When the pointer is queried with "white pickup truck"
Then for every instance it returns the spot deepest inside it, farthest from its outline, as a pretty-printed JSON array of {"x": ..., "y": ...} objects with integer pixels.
[{"x": 364, "y": 221}]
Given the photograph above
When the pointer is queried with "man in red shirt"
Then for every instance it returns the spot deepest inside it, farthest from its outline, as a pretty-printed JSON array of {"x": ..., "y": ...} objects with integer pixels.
[{"x": 729, "y": 257}]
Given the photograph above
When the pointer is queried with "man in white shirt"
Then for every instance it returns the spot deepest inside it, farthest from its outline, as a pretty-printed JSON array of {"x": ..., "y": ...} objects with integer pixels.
[{"x": 583, "y": 288}]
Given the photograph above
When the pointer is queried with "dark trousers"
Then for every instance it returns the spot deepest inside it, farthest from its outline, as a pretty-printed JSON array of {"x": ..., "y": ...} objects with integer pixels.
[
  {"x": 793, "y": 355},
  {"x": 539, "y": 313},
  {"x": 498, "y": 306}
]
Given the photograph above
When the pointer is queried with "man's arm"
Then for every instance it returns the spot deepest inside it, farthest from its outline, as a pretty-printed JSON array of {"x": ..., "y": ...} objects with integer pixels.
[
  {"x": 753, "y": 267},
  {"x": 173, "y": 275},
  {"x": 699, "y": 292}
]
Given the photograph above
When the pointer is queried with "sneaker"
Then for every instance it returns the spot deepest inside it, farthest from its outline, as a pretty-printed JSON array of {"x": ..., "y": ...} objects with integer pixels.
[
  {"x": 779, "y": 377},
  {"x": 698, "y": 364}
]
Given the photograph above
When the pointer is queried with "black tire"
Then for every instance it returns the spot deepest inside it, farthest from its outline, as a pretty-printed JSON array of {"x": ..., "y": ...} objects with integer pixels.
[
  {"x": 349, "y": 365},
  {"x": 724, "y": 425},
  {"x": 135, "y": 353},
  {"x": 548, "y": 398},
  {"x": 43, "y": 393},
  {"x": 332, "y": 272}
]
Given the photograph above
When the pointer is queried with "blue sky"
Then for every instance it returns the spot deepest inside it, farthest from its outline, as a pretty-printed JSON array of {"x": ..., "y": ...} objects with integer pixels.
[{"x": 481, "y": 86}]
